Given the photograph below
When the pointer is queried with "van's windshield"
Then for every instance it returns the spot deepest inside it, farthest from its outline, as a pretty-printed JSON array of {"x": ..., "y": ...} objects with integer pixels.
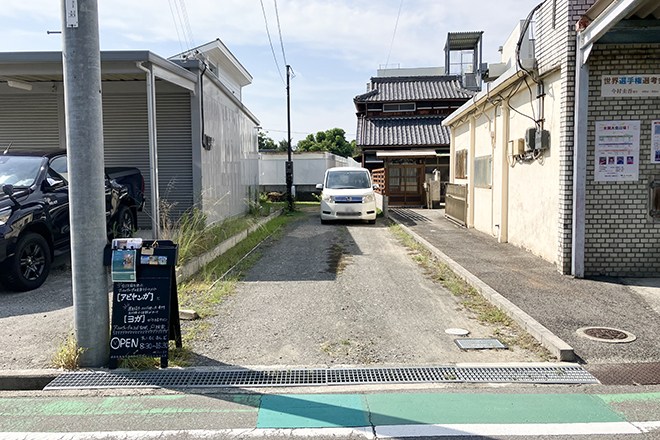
[{"x": 347, "y": 180}]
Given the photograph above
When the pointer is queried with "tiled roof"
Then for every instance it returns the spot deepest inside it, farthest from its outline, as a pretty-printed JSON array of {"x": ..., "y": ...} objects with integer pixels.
[
  {"x": 402, "y": 131},
  {"x": 414, "y": 88}
]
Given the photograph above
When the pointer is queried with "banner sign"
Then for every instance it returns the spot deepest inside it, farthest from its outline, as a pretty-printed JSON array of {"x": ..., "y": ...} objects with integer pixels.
[{"x": 634, "y": 86}]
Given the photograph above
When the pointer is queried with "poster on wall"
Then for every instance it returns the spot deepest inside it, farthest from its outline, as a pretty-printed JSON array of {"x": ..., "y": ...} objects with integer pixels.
[
  {"x": 655, "y": 142},
  {"x": 617, "y": 151}
]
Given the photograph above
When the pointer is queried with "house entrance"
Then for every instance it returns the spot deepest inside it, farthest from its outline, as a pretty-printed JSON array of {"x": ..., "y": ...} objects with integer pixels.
[{"x": 405, "y": 178}]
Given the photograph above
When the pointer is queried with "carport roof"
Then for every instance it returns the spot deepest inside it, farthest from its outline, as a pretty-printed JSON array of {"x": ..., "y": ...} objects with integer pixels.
[{"x": 115, "y": 66}]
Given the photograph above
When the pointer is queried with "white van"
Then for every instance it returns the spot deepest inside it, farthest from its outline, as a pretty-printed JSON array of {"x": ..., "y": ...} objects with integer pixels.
[{"x": 347, "y": 193}]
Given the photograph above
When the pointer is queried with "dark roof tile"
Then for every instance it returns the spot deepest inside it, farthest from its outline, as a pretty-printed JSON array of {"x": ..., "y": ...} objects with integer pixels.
[
  {"x": 402, "y": 131},
  {"x": 414, "y": 88}
]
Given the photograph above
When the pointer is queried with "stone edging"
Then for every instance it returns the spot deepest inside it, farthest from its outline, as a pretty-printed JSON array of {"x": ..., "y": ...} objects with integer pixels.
[
  {"x": 549, "y": 340},
  {"x": 195, "y": 265}
]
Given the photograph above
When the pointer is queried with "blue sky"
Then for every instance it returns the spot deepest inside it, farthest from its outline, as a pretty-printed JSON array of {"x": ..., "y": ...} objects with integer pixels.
[{"x": 333, "y": 46}]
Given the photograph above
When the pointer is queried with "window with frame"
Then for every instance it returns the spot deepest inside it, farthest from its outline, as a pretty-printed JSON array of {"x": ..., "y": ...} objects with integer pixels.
[
  {"x": 483, "y": 167},
  {"x": 400, "y": 107},
  {"x": 461, "y": 164}
]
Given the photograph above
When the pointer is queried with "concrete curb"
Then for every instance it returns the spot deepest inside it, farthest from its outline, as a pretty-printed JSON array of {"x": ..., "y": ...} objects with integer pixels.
[
  {"x": 194, "y": 265},
  {"x": 549, "y": 340},
  {"x": 20, "y": 380}
]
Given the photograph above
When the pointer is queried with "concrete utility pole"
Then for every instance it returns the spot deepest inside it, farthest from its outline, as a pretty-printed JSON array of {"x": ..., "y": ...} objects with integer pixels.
[
  {"x": 84, "y": 136},
  {"x": 289, "y": 162}
]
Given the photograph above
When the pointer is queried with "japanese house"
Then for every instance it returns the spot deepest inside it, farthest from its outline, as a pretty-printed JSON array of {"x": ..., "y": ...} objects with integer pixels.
[{"x": 399, "y": 120}]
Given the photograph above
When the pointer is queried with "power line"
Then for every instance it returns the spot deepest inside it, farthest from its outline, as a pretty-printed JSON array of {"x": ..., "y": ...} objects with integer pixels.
[
  {"x": 279, "y": 28},
  {"x": 187, "y": 23},
  {"x": 396, "y": 25},
  {"x": 176, "y": 26},
  {"x": 279, "y": 71}
]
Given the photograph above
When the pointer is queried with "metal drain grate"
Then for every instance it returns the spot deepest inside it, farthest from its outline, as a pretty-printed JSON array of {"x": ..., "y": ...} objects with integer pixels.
[{"x": 308, "y": 377}]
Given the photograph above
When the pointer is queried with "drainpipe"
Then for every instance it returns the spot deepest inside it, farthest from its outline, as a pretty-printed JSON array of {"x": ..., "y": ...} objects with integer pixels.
[
  {"x": 504, "y": 208},
  {"x": 470, "y": 219},
  {"x": 492, "y": 126},
  {"x": 153, "y": 149},
  {"x": 579, "y": 163},
  {"x": 452, "y": 155}
]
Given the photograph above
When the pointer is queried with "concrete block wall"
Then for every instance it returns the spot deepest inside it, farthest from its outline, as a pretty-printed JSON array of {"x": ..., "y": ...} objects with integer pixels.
[
  {"x": 621, "y": 238},
  {"x": 555, "y": 49}
]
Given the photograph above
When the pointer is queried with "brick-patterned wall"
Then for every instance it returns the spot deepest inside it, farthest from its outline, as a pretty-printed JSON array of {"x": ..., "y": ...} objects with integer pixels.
[
  {"x": 555, "y": 48},
  {"x": 621, "y": 240}
]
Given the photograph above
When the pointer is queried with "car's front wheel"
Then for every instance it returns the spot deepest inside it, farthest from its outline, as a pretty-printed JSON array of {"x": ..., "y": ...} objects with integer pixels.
[{"x": 30, "y": 265}]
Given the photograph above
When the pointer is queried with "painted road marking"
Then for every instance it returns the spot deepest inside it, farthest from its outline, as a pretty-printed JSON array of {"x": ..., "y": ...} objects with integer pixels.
[
  {"x": 524, "y": 429},
  {"x": 398, "y": 431},
  {"x": 312, "y": 411},
  {"x": 346, "y": 410}
]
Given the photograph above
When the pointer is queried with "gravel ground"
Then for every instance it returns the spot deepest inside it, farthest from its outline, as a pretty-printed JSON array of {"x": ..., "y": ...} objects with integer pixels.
[
  {"x": 32, "y": 323},
  {"x": 340, "y": 294}
]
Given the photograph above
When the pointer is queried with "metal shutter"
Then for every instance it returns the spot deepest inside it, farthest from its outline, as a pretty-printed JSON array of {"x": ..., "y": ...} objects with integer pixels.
[
  {"x": 126, "y": 140},
  {"x": 126, "y": 143},
  {"x": 29, "y": 121},
  {"x": 175, "y": 151}
]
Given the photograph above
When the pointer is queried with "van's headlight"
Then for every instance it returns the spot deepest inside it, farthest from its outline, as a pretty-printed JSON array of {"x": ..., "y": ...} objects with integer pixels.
[
  {"x": 328, "y": 198},
  {"x": 4, "y": 216},
  {"x": 369, "y": 198}
]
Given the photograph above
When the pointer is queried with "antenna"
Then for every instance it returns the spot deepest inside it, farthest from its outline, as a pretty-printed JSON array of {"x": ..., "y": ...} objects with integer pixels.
[{"x": 8, "y": 147}]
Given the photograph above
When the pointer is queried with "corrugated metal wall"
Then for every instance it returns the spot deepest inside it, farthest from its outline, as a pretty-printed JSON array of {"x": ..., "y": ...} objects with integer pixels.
[
  {"x": 126, "y": 139},
  {"x": 29, "y": 121},
  {"x": 126, "y": 143},
  {"x": 175, "y": 151},
  {"x": 37, "y": 121}
]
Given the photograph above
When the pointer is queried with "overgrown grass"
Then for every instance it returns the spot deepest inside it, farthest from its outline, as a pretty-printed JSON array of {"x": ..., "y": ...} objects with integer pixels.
[
  {"x": 67, "y": 355},
  {"x": 505, "y": 327}
]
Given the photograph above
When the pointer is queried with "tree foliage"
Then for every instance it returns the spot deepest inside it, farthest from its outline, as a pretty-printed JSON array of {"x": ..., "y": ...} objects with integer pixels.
[
  {"x": 265, "y": 143},
  {"x": 333, "y": 140}
]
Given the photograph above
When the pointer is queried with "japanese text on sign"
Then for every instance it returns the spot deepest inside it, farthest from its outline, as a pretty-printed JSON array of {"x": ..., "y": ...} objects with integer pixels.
[
  {"x": 617, "y": 151},
  {"x": 636, "y": 86}
]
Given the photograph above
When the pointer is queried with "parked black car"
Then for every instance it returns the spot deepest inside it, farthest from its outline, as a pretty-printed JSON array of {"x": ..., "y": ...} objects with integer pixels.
[{"x": 34, "y": 212}]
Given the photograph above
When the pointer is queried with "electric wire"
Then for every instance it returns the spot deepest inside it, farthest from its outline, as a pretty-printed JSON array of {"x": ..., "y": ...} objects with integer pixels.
[
  {"x": 176, "y": 26},
  {"x": 181, "y": 24},
  {"x": 396, "y": 25},
  {"x": 186, "y": 21},
  {"x": 279, "y": 29},
  {"x": 270, "y": 41}
]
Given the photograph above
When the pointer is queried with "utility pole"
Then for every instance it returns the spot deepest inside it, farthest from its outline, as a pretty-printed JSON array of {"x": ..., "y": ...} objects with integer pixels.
[
  {"x": 81, "y": 59},
  {"x": 289, "y": 163}
]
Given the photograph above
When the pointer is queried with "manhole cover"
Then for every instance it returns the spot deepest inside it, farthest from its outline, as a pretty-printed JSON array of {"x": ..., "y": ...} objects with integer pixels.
[{"x": 606, "y": 334}]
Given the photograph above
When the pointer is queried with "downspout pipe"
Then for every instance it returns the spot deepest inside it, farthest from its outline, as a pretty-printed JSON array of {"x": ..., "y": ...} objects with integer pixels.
[
  {"x": 504, "y": 208},
  {"x": 153, "y": 149},
  {"x": 581, "y": 118}
]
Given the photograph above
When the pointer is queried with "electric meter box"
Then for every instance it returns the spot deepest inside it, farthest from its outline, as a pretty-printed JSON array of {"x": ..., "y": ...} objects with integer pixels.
[{"x": 537, "y": 139}]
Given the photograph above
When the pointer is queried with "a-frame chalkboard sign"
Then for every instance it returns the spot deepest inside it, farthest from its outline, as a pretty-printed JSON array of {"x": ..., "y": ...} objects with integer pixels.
[{"x": 145, "y": 313}]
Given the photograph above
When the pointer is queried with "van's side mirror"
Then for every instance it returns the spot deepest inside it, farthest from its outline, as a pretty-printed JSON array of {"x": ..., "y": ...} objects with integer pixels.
[
  {"x": 375, "y": 186},
  {"x": 319, "y": 186}
]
